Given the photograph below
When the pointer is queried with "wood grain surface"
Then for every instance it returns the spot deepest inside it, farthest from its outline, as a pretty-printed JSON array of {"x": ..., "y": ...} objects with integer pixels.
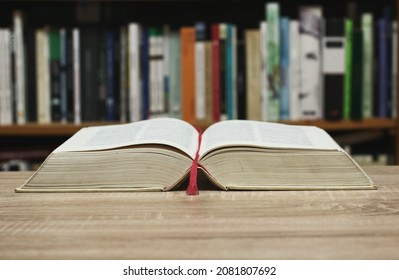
[{"x": 213, "y": 225}]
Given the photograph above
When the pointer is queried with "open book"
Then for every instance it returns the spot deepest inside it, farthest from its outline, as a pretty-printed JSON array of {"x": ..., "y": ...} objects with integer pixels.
[{"x": 157, "y": 155}]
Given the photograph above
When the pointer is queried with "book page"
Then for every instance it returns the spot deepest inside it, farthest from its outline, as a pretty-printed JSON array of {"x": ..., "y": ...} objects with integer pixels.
[
  {"x": 263, "y": 134},
  {"x": 172, "y": 132}
]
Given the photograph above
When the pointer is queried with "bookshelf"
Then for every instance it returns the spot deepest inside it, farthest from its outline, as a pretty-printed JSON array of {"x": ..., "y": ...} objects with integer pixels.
[{"x": 246, "y": 14}]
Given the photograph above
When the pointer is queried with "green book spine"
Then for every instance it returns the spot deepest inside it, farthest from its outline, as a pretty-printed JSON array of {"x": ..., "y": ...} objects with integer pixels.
[
  {"x": 273, "y": 66},
  {"x": 367, "y": 27},
  {"x": 348, "y": 69}
]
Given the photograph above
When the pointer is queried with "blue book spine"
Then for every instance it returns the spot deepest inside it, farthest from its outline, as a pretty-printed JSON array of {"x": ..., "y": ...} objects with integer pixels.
[
  {"x": 383, "y": 87},
  {"x": 110, "y": 92},
  {"x": 144, "y": 65},
  {"x": 284, "y": 68},
  {"x": 63, "y": 80},
  {"x": 229, "y": 72}
]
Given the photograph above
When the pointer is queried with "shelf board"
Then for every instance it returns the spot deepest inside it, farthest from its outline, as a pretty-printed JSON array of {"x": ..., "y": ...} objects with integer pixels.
[{"x": 57, "y": 129}]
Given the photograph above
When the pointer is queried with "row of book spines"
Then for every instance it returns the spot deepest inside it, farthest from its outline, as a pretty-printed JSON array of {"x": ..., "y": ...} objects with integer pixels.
[{"x": 55, "y": 56}]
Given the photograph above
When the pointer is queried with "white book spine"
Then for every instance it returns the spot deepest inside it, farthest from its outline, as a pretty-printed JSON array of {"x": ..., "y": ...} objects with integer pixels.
[
  {"x": 368, "y": 52},
  {"x": 200, "y": 112},
  {"x": 76, "y": 76},
  {"x": 394, "y": 69},
  {"x": 5, "y": 112},
  {"x": 294, "y": 63},
  {"x": 311, "y": 94},
  {"x": 46, "y": 77},
  {"x": 19, "y": 68},
  {"x": 134, "y": 73},
  {"x": 8, "y": 78},
  {"x": 264, "y": 104},
  {"x": 166, "y": 68}
]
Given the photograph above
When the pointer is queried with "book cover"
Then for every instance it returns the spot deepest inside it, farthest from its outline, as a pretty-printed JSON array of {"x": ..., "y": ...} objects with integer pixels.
[
  {"x": 294, "y": 71},
  {"x": 311, "y": 98},
  {"x": 367, "y": 77},
  {"x": 187, "y": 39},
  {"x": 273, "y": 65},
  {"x": 253, "y": 74},
  {"x": 333, "y": 50},
  {"x": 284, "y": 68}
]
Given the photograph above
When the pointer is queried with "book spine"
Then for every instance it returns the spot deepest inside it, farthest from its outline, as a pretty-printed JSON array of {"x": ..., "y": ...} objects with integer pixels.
[
  {"x": 222, "y": 68},
  {"x": 333, "y": 68},
  {"x": 394, "y": 68},
  {"x": 19, "y": 60},
  {"x": 241, "y": 80},
  {"x": 367, "y": 28},
  {"x": 229, "y": 72},
  {"x": 76, "y": 76},
  {"x": 110, "y": 76},
  {"x": 123, "y": 80},
  {"x": 55, "y": 75},
  {"x": 187, "y": 35},
  {"x": 161, "y": 95},
  {"x": 175, "y": 74},
  {"x": 134, "y": 73},
  {"x": 348, "y": 69},
  {"x": 208, "y": 82},
  {"x": 6, "y": 91},
  {"x": 200, "y": 81},
  {"x": 273, "y": 66},
  {"x": 264, "y": 105},
  {"x": 357, "y": 65},
  {"x": 144, "y": 64},
  {"x": 382, "y": 93},
  {"x": 166, "y": 69},
  {"x": 253, "y": 66},
  {"x": 310, "y": 36},
  {"x": 63, "y": 76},
  {"x": 46, "y": 98},
  {"x": 69, "y": 76},
  {"x": 294, "y": 72},
  {"x": 387, "y": 14},
  {"x": 30, "y": 92},
  {"x": 41, "y": 102},
  {"x": 234, "y": 71},
  {"x": 216, "y": 72},
  {"x": 284, "y": 68}
]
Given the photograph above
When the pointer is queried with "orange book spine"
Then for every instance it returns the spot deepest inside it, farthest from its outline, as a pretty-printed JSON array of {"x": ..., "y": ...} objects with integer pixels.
[{"x": 187, "y": 41}]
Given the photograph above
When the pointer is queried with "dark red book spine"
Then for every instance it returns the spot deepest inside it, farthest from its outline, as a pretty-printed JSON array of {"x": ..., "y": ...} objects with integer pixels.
[{"x": 215, "y": 73}]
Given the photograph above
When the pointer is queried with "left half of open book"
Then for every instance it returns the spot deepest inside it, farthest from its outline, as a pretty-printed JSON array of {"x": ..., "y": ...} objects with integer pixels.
[{"x": 151, "y": 155}]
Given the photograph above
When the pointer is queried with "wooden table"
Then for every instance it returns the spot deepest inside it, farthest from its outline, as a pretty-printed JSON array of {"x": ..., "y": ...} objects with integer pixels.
[{"x": 213, "y": 225}]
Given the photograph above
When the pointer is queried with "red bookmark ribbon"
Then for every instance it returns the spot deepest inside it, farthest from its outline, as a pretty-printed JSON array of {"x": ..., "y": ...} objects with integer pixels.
[{"x": 192, "y": 188}]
